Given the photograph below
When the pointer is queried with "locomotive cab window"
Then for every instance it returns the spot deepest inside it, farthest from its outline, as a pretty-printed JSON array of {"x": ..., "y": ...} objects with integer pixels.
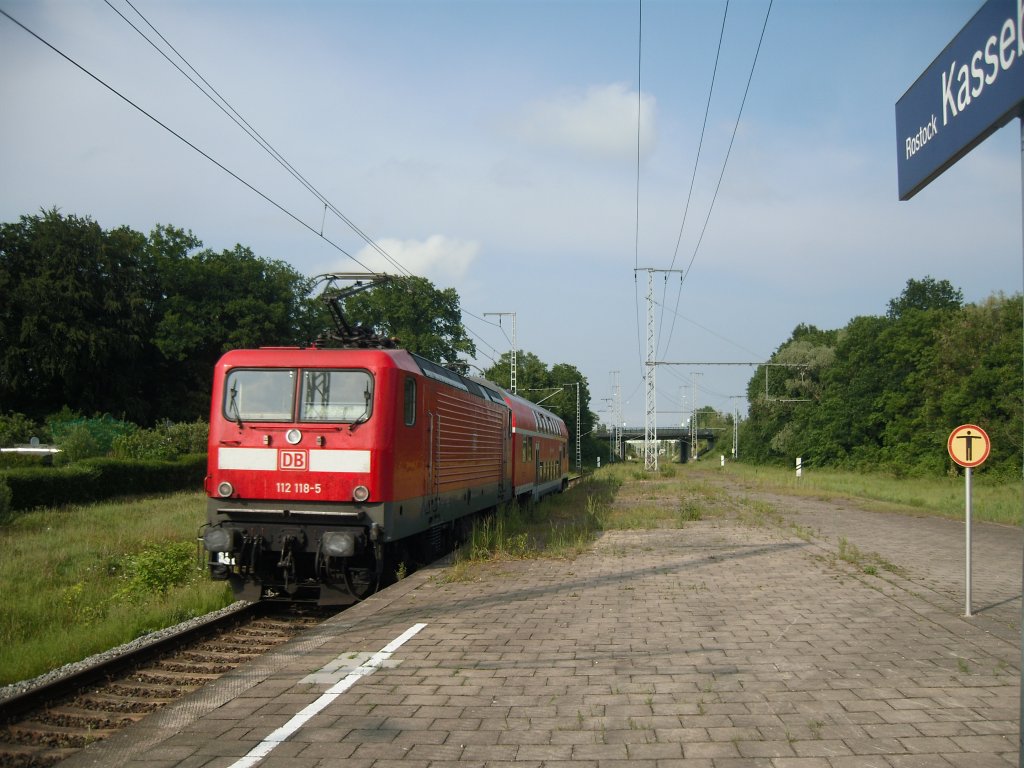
[
  {"x": 259, "y": 395},
  {"x": 410, "y": 401},
  {"x": 345, "y": 396}
]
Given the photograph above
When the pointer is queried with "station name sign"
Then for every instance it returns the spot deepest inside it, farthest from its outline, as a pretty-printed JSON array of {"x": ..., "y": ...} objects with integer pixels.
[{"x": 973, "y": 88}]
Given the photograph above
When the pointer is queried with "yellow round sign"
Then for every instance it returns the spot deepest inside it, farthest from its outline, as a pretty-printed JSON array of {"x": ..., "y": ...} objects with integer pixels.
[{"x": 968, "y": 445}]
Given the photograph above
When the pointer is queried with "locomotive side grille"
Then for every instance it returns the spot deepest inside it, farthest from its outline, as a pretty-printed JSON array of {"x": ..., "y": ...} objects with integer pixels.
[{"x": 469, "y": 441}]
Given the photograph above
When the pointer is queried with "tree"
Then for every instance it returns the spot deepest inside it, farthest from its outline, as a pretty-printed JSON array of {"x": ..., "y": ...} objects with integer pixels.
[
  {"x": 533, "y": 380},
  {"x": 886, "y": 391},
  {"x": 76, "y": 316},
  {"x": 783, "y": 393},
  {"x": 214, "y": 302},
  {"x": 928, "y": 293},
  {"x": 975, "y": 377},
  {"x": 426, "y": 321},
  {"x": 112, "y": 322},
  {"x": 565, "y": 404}
]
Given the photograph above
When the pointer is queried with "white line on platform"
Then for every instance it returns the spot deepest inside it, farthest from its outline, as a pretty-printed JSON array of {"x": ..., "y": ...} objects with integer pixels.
[{"x": 283, "y": 733}]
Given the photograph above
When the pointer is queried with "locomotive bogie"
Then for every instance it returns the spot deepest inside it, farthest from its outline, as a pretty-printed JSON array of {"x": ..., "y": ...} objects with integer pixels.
[{"x": 289, "y": 557}]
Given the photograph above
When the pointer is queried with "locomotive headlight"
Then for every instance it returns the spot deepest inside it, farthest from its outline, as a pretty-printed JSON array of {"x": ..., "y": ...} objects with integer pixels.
[
  {"x": 339, "y": 544},
  {"x": 225, "y": 489},
  {"x": 360, "y": 493},
  {"x": 217, "y": 540},
  {"x": 293, "y": 436}
]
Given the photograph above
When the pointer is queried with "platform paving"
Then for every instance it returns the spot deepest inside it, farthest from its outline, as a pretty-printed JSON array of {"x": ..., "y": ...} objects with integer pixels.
[{"x": 731, "y": 641}]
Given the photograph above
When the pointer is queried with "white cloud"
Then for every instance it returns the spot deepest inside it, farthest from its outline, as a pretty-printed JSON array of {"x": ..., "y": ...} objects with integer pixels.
[
  {"x": 442, "y": 260},
  {"x": 602, "y": 122}
]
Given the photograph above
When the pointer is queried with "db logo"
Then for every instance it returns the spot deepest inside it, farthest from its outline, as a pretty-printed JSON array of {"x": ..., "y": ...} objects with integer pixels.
[{"x": 293, "y": 460}]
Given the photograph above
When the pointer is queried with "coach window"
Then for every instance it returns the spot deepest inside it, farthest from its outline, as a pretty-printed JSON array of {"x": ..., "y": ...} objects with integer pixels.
[{"x": 410, "y": 401}]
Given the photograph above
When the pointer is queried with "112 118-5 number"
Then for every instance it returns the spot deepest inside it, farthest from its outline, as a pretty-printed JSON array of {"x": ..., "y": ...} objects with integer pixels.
[{"x": 298, "y": 487}]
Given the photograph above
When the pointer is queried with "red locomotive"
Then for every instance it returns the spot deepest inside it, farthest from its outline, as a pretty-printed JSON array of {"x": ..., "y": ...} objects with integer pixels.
[{"x": 325, "y": 463}]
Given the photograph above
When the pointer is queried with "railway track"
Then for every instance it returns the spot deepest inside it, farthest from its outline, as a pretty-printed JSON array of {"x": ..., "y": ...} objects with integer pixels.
[{"x": 44, "y": 725}]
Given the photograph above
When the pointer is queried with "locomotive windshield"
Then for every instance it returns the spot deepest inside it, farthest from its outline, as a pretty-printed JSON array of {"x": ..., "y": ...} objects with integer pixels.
[
  {"x": 260, "y": 395},
  {"x": 269, "y": 394},
  {"x": 336, "y": 396}
]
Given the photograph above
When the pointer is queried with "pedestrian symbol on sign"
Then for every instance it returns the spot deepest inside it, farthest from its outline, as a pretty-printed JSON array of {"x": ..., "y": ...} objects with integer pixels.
[{"x": 968, "y": 437}]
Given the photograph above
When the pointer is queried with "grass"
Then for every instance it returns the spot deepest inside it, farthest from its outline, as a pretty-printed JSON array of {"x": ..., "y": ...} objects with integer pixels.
[
  {"x": 992, "y": 501},
  {"x": 563, "y": 525},
  {"x": 81, "y": 580},
  {"x": 868, "y": 562}
]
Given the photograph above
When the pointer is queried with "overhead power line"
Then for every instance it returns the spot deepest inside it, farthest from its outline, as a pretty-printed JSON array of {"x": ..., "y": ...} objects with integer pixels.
[
  {"x": 185, "y": 141},
  {"x": 732, "y": 139},
  {"x": 693, "y": 175},
  {"x": 636, "y": 227},
  {"x": 491, "y": 323},
  {"x": 182, "y": 139},
  {"x": 700, "y": 141},
  {"x": 708, "y": 330},
  {"x": 225, "y": 106}
]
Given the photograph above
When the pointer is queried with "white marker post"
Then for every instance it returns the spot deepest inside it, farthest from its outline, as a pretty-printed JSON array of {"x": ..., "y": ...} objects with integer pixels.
[{"x": 968, "y": 446}]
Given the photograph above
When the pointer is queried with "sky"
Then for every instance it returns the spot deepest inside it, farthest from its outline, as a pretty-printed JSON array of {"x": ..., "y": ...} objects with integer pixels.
[{"x": 539, "y": 156}]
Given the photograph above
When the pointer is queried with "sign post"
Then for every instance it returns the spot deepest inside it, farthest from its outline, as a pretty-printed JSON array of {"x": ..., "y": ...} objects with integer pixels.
[{"x": 968, "y": 446}]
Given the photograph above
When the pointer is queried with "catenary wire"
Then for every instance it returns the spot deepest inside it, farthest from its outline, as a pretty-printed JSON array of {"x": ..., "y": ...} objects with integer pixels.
[
  {"x": 693, "y": 175},
  {"x": 182, "y": 139},
  {"x": 732, "y": 139},
  {"x": 636, "y": 230},
  {"x": 225, "y": 106},
  {"x": 708, "y": 330},
  {"x": 491, "y": 323},
  {"x": 222, "y": 103}
]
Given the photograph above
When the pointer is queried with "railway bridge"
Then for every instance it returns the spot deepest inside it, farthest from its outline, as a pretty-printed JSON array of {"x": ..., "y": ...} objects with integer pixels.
[{"x": 682, "y": 436}]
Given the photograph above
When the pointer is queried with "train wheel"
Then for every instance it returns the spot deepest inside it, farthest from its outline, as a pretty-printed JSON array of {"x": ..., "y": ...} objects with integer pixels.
[{"x": 361, "y": 582}]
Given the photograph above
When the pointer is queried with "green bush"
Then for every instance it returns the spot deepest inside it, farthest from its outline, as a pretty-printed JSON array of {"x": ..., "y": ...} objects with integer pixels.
[
  {"x": 52, "y": 487},
  {"x": 103, "y": 430},
  {"x": 79, "y": 443},
  {"x": 140, "y": 477},
  {"x": 156, "y": 569},
  {"x": 11, "y": 460},
  {"x": 18, "y": 429},
  {"x": 101, "y": 478},
  {"x": 163, "y": 442}
]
